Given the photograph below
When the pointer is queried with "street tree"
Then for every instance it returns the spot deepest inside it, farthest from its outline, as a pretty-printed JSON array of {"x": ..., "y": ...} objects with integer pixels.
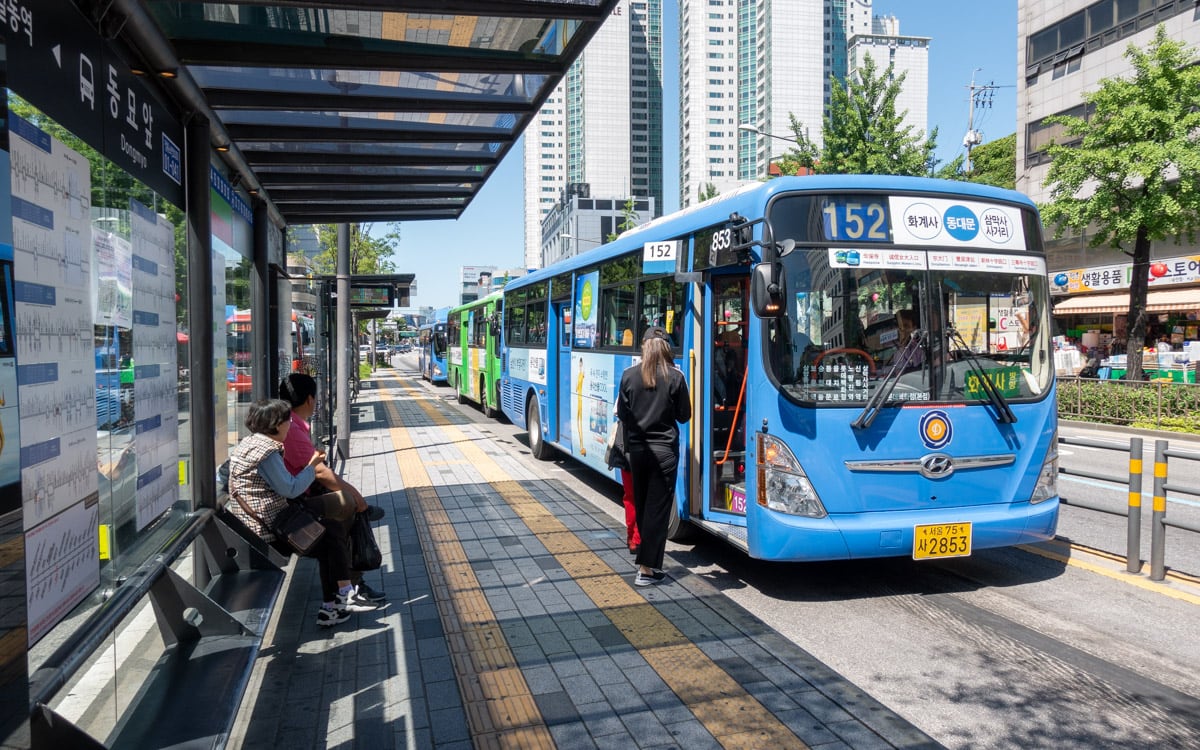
[
  {"x": 629, "y": 220},
  {"x": 368, "y": 254},
  {"x": 1129, "y": 173},
  {"x": 862, "y": 133},
  {"x": 706, "y": 191},
  {"x": 995, "y": 163}
]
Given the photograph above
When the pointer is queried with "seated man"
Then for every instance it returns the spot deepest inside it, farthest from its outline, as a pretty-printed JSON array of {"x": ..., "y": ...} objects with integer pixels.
[{"x": 300, "y": 391}]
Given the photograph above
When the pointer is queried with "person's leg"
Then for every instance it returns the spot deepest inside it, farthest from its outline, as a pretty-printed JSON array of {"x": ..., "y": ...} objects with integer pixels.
[
  {"x": 333, "y": 560},
  {"x": 648, "y": 487},
  {"x": 632, "y": 538}
]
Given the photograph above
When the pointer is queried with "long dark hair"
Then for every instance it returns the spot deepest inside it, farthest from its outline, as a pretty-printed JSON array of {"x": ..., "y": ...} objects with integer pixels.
[{"x": 656, "y": 361}]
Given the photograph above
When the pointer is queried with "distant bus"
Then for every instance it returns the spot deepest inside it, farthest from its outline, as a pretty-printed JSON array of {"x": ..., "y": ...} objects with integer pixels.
[
  {"x": 431, "y": 348},
  {"x": 868, "y": 359},
  {"x": 238, "y": 330},
  {"x": 473, "y": 353}
]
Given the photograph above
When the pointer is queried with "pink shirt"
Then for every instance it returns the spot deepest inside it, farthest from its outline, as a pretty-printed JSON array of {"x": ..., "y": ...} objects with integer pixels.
[{"x": 297, "y": 446}]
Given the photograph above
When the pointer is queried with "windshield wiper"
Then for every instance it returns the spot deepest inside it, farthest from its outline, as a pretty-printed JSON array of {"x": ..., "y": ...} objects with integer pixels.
[
  {"x": 885, "y": 388},
  {"x": 1004, "y": 414}
]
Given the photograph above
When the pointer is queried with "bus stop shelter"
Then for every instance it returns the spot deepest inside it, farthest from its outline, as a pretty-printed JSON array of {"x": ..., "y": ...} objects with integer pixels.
[{"x": 192, "y": 135}]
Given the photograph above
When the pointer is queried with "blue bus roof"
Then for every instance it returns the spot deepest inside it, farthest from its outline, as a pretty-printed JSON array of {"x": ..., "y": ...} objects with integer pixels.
[{"x": 749, "y": 201}]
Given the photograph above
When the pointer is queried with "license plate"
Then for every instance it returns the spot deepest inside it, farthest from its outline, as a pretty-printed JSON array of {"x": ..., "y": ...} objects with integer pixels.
[{"x": 935, "y": 540}]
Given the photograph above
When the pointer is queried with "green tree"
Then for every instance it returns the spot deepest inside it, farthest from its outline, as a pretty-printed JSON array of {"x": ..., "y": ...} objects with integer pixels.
[
  {"x": 995, "y": 163},
  {"x": 368, "y": 254},
  {"x": 706, "y": 191},
  {"x": 862, "y": 133},
  {"x": 629, "y": 220},
  {"x": 1130, "y": 172}
]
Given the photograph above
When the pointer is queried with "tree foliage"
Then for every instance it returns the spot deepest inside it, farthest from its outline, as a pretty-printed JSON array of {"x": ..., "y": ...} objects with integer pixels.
[
  {"x": 368, "y": 254},
  {"x": 995, "y": 163},
  {"x": 862, "y": 133},
  {"x": 1130, "y": 172},
  {"x": 706, "y": 191}
]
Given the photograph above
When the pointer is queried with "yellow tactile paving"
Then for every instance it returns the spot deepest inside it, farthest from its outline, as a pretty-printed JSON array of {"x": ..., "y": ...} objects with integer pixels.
[
  {"x": 499, "y": 706},
  {"x": 715, "y": 698}
]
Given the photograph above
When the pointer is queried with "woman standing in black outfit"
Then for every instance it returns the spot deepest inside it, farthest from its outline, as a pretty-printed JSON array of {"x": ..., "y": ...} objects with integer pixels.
[{"x": 651, "y": 399}]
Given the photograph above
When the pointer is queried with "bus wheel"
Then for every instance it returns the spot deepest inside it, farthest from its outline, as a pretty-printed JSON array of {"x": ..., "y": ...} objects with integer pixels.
[
  {"x": 537, "y": 441},
  {"x": 488, "y": 411},
  {"x": 458, "y": 388},
  {"x": 679, "y": 530}
]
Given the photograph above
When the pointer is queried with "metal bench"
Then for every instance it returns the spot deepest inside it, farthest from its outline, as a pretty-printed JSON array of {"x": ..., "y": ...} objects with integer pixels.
[{"x": 212, "y": 631}]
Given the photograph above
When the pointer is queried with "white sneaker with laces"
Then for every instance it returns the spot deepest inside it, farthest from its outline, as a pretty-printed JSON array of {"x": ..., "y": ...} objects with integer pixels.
[
  {"x": 330, "y": 617},
  {"x": 352, "y": 602}
]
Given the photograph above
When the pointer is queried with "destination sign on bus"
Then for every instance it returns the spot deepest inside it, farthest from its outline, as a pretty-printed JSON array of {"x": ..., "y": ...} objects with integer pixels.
[{"x": 921, "y": 220}]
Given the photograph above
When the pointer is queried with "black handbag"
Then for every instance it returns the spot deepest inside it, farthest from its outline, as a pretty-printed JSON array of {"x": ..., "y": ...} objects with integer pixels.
[
  {"x": 295, "y": 525},
  {"x": 614, "y": 453},
  {"x": 364, "y": 551},
  {"x": 299, "y": 528}
]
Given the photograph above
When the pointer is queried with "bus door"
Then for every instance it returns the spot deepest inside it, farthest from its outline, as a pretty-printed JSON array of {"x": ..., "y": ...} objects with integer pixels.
[
  {"x": 726, "y": 347},
  {"x": 559, "y": 396}
]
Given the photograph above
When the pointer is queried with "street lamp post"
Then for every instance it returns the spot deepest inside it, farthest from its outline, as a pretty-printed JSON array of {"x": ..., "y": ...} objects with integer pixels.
[
  {"x": 577, "y": 240},
  {"x": 751, "y": 129}
]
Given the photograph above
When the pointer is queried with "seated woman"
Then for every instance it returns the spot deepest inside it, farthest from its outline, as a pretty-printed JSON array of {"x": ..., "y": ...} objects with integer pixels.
[{"x": 261, "y": 487}]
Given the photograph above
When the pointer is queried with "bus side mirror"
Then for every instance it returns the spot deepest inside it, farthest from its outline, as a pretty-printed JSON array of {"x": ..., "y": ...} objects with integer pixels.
[{"x": 766, "y": 290}]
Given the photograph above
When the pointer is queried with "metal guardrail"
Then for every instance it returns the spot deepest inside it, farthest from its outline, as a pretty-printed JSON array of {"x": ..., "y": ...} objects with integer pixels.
[
  {"x": 1133, "y": 479},
  {"x": 1133, "y": 510},
  {"x": 1159, "y": 521}
]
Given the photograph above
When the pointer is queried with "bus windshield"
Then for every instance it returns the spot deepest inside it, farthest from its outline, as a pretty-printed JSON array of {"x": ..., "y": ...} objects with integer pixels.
[{"x": 847, "y": 326}]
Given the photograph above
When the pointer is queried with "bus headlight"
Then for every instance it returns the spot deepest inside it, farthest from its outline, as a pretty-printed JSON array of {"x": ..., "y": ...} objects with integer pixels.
[
  {"x": 782, "y": 484},
  {"x": 1047, "y": 483}
]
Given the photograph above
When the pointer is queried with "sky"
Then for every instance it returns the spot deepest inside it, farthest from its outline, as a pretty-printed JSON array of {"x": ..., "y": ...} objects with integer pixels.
[{"x": 491, "y": 230}]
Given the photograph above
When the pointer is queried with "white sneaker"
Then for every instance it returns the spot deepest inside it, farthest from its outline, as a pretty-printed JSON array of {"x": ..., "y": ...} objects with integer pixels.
[
  {"x": 352, "y": 602},
  {"x": 329, "y": 617}
]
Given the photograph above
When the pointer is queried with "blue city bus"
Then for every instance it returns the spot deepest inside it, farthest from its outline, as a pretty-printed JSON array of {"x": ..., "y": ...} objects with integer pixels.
[
  {"x": 431, "y": 348},
  {"x": 868, "y": 358}
]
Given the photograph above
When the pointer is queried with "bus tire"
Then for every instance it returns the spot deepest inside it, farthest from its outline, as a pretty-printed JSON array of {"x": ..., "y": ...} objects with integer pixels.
[
  {"x": 678, "y": 529},
  {"x": 458, "y": 389},
  {"x": 537, "y": 439},
  {"x": 488, "y": 411}
]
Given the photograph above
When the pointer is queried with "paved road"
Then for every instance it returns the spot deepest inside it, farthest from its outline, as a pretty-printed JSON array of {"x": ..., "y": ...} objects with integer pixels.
[{"x": 1024, "y": 648}]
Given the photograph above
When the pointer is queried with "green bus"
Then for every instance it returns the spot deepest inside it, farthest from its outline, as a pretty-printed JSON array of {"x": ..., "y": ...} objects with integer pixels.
[{"x": 473, "y": 352}]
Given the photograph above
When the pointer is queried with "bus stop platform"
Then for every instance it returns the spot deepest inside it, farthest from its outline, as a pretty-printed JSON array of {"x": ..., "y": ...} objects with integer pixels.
[{"x": 512, "y": 620}]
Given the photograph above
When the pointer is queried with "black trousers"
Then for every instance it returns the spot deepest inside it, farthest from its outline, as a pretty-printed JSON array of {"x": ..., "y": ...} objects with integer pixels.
[
  {"x": 654, "y": 468},
  {"x": 332, "y": 554}
]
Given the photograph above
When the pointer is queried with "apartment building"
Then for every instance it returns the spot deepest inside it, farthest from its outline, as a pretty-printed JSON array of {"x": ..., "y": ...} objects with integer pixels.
[{"x": 603, "y": 126}]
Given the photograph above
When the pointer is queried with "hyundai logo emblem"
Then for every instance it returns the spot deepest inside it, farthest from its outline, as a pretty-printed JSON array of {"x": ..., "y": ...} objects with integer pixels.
[{"x": 937, "y": 466}]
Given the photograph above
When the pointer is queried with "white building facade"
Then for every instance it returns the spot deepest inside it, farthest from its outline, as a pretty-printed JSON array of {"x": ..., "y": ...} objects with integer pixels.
[
  {"x": 602, "y": 126},
  {"x": 749, "y": 65},
  {"x": 1065, "y": 48}
]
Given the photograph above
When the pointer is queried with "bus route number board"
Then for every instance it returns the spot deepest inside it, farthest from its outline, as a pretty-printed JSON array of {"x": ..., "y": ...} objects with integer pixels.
[
  {"x": 938, "y": 540},
  {"x": 659, "y": 257}
]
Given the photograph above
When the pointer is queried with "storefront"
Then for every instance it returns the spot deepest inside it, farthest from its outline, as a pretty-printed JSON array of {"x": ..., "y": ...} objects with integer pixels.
[{"x": 1092, "y": 310}]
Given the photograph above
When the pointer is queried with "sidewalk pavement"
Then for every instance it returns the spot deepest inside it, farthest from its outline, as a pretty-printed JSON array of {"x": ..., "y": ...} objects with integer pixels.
[{"x": 513, "y": 621}]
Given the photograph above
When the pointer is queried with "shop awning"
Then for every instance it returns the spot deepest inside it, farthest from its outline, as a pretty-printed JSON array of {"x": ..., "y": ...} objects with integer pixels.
[{"x": 1160, "y": 301}]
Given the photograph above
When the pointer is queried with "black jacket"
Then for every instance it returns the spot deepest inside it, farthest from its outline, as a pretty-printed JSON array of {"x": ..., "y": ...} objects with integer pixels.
[{"x": 649, "y": 415}]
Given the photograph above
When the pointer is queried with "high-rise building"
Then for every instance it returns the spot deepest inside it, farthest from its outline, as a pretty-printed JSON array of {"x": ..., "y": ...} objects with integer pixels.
[
  {"x": 908, "y": 56},
  {"x": 603, "y": 126},
  {"x": 749, "y": 65}
]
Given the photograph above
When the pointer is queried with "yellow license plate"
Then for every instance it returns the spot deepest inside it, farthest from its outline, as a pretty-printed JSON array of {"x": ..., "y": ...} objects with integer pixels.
[{"x": 941, "y": 540}]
